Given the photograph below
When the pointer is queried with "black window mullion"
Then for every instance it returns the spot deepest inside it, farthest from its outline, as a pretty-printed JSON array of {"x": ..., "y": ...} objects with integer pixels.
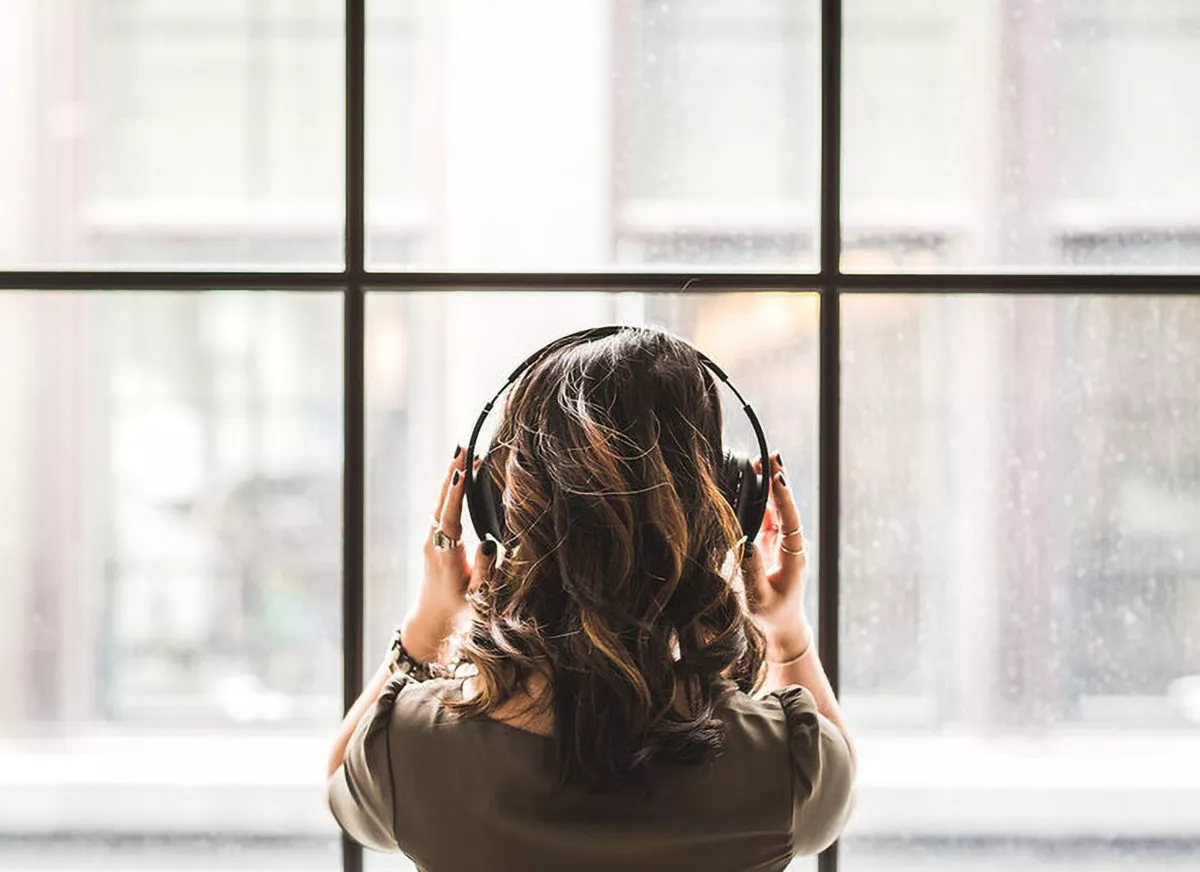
[
  {"x": 355, "y": 156},
  {"x": 1014, "y": 283},
  {"x": 353, "y": 508},
  {"x": 353, "y": 379},
  {"x": 831, "y": 143},
  {"x": 170, "y": 281},
  {"x": 829, "y": 398}
]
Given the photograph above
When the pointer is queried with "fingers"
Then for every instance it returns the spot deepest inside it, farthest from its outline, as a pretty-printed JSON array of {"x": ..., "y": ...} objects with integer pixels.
[
  {"x": 455, "y": 463},
  {"x": 770, "y": 523},
  {"x": 485, "y": 562},
  {"x": 451, "y": 514},
  {"x": 786, "y": 513},
  {"x": 754, "y": 574},
  {"x": 789, "y": 518}
]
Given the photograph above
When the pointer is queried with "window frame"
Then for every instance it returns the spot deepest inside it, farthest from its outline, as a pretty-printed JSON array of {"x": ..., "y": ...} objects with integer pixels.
[{"x": 828, "y": 280}]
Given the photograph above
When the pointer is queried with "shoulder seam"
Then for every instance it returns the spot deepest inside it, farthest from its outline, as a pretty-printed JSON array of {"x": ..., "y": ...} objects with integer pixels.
[
  {"x": 397, "y": 684},
  {"x": 791, "y": 756}
]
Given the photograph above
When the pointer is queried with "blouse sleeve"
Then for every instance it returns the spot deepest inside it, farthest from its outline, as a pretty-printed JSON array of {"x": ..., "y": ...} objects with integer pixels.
[
  {"x": 822, "y": 772},
  {"x": 362, "y": 792}
]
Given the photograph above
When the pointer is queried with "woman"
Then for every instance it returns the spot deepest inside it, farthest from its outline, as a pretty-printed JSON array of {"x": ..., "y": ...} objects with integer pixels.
[{"x": 639, "y": 688}]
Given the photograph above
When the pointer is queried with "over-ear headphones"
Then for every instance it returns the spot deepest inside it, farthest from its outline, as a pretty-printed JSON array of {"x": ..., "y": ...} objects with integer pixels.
[{"x": 744, "y": 488}]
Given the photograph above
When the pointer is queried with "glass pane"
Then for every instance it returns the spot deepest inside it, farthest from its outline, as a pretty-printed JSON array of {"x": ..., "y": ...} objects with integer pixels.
[
  {"x": 564, "y": 135},
  {"x": 1021, "y": 134},
  {"x": 170, "y": 631},
  {"x": 433, "y": 360},
  {"x": 144, "y": 133},
  {"x": 1021, "y": 599}
]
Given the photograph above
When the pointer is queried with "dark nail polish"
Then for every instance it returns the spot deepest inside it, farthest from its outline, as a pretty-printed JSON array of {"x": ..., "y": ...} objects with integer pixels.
[
  {"x": 457, "y": 451},
  {"x": 779, "y": 478},
  {"x": 489, "y": 548},
  {"x": 454, "y": 479},
  {"x": 779, "y": 458}
]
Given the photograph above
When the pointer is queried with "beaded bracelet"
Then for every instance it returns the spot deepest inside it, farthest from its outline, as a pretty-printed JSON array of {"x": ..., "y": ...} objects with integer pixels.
[{"x": 399, "y": 660}]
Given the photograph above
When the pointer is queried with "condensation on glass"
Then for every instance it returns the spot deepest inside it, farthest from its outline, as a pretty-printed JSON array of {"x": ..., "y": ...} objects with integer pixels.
[
  {"x": 170, "y": 603},
  {"x": 1020, "y": 600},
  {"x": 546, "y": 135},
  {"x": 142, "y": 133},
  {"x": 1022, "y": 134}
]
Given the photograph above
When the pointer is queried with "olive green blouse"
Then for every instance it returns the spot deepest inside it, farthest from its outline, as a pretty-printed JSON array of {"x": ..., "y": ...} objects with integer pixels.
[{"x": 465, "y": 793}]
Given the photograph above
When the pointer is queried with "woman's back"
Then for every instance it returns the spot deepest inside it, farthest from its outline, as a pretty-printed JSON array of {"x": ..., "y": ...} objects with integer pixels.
[
  {"x": 638, "y": 599},
  {"x": 456, "y": 791}
]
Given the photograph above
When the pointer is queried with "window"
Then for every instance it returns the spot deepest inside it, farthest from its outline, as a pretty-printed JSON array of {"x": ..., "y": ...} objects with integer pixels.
[
  {"x": 219, "y": 421},
  {"x": 1021, "y": 135},
  {"x": 606, "y": 145},
  {"x": 170, "y": 469},
  {"x": 1019, "y": 578},
  {"x": 695, "y": 83}
]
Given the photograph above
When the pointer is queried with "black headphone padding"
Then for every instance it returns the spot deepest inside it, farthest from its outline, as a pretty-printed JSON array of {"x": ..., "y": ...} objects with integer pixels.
[{"x": 740, "y": 483}]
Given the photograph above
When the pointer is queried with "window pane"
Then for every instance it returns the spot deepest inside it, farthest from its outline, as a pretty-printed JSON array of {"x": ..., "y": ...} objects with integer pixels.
[
  {"x": 146, "y": 133},
  {"x": 542, "y": 134},
  {"x": 1021, "y": 134},
  {"x": 170, "y": 631},
  {"x": 1021, "y": 600},
  {"x": 433, "y": 360}
]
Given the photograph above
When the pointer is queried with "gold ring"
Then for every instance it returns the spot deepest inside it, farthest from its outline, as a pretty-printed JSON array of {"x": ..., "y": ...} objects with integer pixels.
[
  {"x": 796, "y": 532},
  {"x": 797, "y": 552}
]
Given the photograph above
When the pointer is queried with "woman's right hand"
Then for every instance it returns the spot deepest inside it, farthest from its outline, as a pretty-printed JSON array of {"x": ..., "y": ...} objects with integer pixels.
[{"x": 775, "y": 574}]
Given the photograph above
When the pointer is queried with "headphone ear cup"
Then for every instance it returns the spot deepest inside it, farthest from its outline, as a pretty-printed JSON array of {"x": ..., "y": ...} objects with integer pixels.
[
  {"x": 485, "y": 501},
  {"x": 741, "y": 485}
]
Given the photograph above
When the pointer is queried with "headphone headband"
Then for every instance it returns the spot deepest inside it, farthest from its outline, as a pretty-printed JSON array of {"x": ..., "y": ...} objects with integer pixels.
[{"x": 587, "y": 335}]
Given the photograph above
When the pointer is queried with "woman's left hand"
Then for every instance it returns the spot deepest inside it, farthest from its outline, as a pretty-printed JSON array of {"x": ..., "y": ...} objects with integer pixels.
[{"x": 448, "y": 576}]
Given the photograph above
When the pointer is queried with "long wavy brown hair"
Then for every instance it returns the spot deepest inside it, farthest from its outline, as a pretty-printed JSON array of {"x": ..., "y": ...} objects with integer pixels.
[{"x": 615, "y": 585}]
